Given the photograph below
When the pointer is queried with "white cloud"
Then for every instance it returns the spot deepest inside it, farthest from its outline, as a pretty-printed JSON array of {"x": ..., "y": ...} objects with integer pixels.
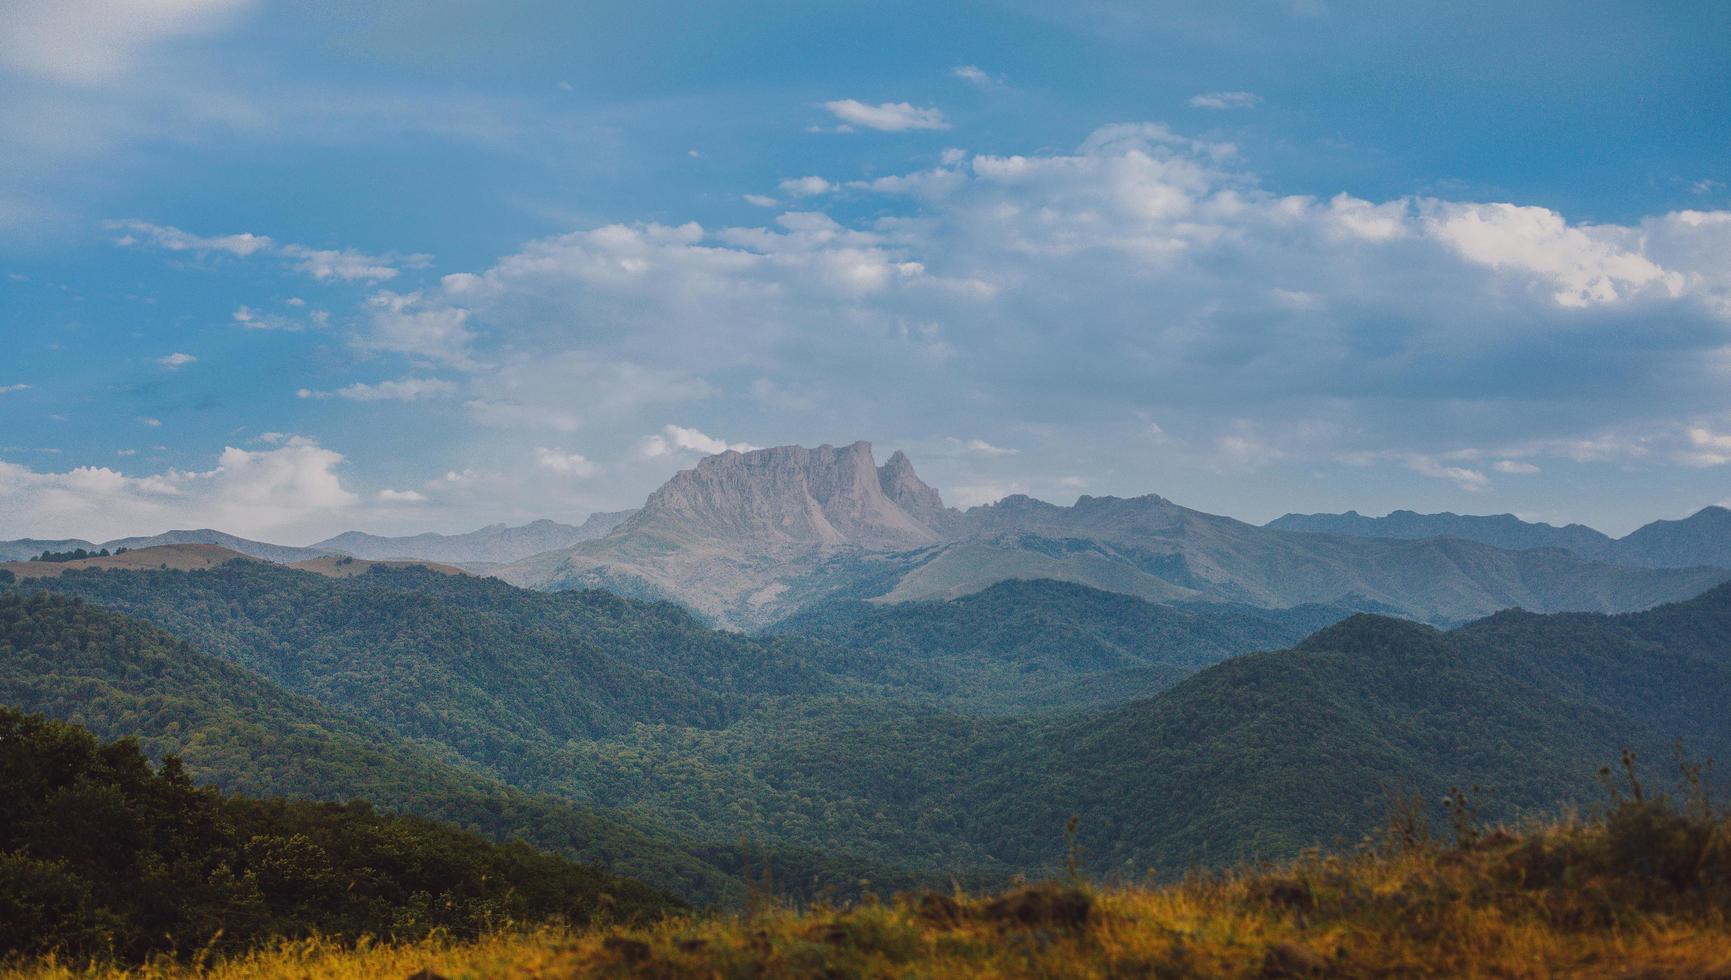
[
  {"x": 389, "y": 496},
  {"x": 761, "y": 200},
  {"x": 976, "y": 76},
  {"x": 8, "y": 389},
  {"x": 1706, "y": 448},
  {"x": 345, "y": 265},
  {"x": 169, "y": 238},
  {"x": 322, "y": 264},
  {"x": 147, "y": 420},
  {"x": 976, "y": 447},
  {"x": 1467, "y": 479},
  {"x": 89, "y": 42},
  {"x": 563, "y": 462},
  {"x": 253, "y": 319},
  {"x": 678, "y": 439},
  {"x": 1225, "y": 100},
  {"x": 892, "y": 117},
  {"x": 1515, "y": 467},
  {"x": 806, "y": 186},
  {"x": 400, "y": 390},
  {"x": 1156, "y": 267},
  {"x": 402, "y": 322},
  {"x": 176, "y": 360},
  {"x": 254, "y": 494},
  {"x": 1586, "y": 264}
]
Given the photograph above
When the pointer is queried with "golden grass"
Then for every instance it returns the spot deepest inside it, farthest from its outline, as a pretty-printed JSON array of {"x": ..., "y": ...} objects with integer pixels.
[{"x": 1562, "y": 900}]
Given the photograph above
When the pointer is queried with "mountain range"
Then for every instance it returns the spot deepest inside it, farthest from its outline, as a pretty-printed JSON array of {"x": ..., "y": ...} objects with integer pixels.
[
  {"x": 748, "y": 538},
  {"x": 24, "y": 549},
  {"x": 495, "y": 543},
  {"x": 1703, "y": 538}
]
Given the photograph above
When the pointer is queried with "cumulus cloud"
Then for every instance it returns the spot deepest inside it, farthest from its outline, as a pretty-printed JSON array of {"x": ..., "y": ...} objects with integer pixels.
[
  {"x": 1586, "y": 264},
  {"x": 761, "y": 200},
  {"x": 255, "y": 494},
  {"x": 402, "y": 322},
  {"x": 1225, "y": 100},
  {"x": 806, "y": 186},
  {"x": 8, "y": 389},
  {"x": 563, "y": 462},
  {"x": 889, "y": 117},
  {"x": 176, "y": 360},
  {"x": 1142, "y": 268},
  {"x": 678, "y": 439}
]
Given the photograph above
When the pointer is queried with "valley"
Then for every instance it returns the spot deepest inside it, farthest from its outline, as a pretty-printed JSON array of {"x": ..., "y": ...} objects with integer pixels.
[{"x": 917, "y": 704}]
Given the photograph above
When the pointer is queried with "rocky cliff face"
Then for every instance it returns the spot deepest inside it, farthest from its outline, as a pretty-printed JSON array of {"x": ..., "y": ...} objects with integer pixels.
[
  {"x": 902, "y": 485},
  {"x": 791, "y": 496}
]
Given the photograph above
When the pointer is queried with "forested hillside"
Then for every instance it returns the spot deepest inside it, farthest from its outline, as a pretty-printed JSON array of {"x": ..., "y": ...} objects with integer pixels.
[
  {"x": 242, "y": 734},
  {"x": 102, "y": 855},
  {"x": 909, "y": 757},
  {"x": 1046, "y": 644}
]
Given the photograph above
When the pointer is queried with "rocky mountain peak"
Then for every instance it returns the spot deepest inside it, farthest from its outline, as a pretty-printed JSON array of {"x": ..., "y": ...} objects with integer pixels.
[
  {"x": 793, "y": 496},
  {"x": 901, "y": 484}
]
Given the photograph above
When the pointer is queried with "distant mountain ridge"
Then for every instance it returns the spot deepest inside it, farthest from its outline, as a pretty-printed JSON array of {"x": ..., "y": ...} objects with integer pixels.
[
  {"x": 497, "y": 543},
  {"x": 748, "y": 538},
  {"x": 1703, "y": 538},
  {"x": 493, "y": 543},
  {"x": 25, "y": 549}
]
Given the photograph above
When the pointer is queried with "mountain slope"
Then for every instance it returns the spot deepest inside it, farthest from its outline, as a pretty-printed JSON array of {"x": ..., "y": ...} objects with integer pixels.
[
  {"x": 1531, "y": 705},
  {"x": 1044, "y": 644},
  {"x": 498, "y": 673},
  {"x": 1702, "y": 539},
  {"x": 105, "y": 856},
  {"x": 239, "y": 733},
  {"x": 494, "y": 543},
  {"x": 1498, "y": 530},
  {"x": 1152, "y": 547},
  {"x": 1260, "y": 755}
]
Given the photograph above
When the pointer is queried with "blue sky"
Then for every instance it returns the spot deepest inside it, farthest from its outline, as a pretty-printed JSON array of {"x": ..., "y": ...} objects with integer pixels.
[{"x": 287, "y": 269}]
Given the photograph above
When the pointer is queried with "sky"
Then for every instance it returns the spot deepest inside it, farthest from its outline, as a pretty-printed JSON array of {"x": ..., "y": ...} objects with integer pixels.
[{"x": 290, "y": 269}]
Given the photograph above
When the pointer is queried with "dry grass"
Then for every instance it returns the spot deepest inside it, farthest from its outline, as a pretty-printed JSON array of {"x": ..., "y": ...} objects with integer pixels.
[{"x": 1644, "y": 893}]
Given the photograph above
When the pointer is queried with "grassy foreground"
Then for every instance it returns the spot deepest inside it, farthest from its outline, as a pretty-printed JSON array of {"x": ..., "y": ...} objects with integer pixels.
[{"x": 1643, "y": 891}]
